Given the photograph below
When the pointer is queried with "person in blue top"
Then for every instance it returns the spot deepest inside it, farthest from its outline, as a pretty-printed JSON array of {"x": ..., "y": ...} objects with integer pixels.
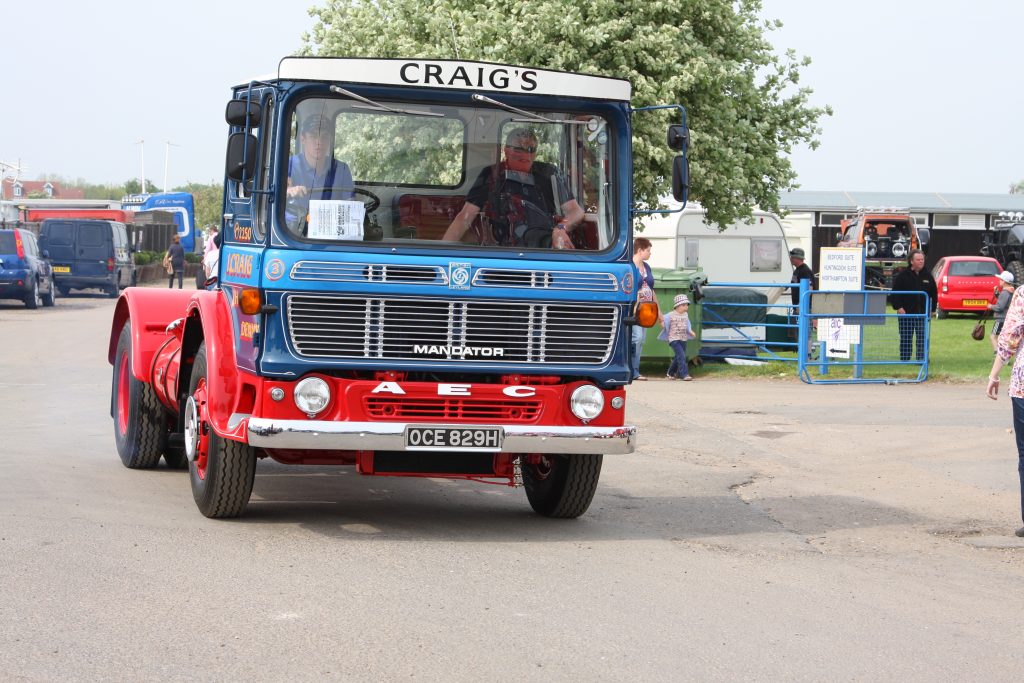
[
  {"x": 645, "y": 292},
  {"x": 314, "y": 173}
]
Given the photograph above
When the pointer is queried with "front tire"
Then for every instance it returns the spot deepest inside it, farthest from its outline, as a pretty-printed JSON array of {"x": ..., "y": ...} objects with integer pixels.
[
  {"x": 220, "y": 470},
  {"x": 562, "y": 486},
  {"x": 139, "y": 420}
]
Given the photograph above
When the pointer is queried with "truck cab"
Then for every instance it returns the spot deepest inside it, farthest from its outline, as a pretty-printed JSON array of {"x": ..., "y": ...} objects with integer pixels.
[{"x": 380, "y": 301}]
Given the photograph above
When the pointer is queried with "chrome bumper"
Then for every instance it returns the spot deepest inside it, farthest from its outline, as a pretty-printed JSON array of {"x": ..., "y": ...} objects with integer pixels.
[{"x": 390, "y": 436}]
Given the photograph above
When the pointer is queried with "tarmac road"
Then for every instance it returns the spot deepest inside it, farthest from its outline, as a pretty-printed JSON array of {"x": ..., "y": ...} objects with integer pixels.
[{"x": 764, "y": 530}]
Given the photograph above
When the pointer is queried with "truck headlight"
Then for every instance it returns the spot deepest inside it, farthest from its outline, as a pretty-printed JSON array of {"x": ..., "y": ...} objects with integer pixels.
[
  {"x": 899, "y": 250},
  {"x": 586, "y": 402},
  {"x": 312, "y": 395}
]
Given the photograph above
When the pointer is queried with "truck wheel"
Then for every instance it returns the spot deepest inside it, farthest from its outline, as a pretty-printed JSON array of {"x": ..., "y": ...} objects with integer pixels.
[
  {"x": 220, "y": 470},
  {"x": 1017, "y": 268},
  {"x": 139, "y": 419},
  {"x": 32, "y": 299},
  {"x": 562, "y": 485}
]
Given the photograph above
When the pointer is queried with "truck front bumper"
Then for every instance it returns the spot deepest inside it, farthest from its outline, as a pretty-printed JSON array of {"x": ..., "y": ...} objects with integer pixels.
[{"x": 390, "y": 436}]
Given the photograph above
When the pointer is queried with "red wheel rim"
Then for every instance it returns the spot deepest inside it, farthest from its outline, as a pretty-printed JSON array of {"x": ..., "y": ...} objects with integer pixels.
[{"x": 203, "y": 442}]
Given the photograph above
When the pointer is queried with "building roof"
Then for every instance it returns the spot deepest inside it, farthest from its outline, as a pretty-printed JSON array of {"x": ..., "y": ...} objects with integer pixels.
[{"x": 922, "y": 202}]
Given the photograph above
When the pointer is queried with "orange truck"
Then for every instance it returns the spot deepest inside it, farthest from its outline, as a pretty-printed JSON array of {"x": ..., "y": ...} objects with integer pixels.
[{"x": 887, "y": 236}]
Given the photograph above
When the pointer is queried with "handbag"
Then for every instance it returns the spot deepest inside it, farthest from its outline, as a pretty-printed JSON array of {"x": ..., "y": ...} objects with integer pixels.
[
  {"x": 167, "y": 264},
  {"x": 978, "y": 333}
]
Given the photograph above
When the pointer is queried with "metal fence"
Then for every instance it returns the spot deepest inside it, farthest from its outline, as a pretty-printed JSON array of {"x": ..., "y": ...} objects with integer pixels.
[{"x": 832, "y": 336}]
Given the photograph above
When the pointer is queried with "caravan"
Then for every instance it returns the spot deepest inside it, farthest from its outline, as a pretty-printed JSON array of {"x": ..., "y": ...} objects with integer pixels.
[{"x": 736, "y": 255}]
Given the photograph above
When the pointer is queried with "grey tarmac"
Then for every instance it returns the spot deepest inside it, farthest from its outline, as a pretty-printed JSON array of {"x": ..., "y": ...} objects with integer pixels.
[{"x": 764, "y": 530}]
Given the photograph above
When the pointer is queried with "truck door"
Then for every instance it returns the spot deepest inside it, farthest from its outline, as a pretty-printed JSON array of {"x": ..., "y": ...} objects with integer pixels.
[{"x": 93, "y": 248}]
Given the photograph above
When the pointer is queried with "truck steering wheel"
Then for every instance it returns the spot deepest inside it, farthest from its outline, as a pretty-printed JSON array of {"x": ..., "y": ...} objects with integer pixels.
[{"x": 371, "y": 206}]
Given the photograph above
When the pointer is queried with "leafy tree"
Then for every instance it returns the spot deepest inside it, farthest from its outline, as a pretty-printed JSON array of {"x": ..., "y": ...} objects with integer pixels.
[
  {"x": 1017, "y": 188},
  {"x": 746, "y": 110}
]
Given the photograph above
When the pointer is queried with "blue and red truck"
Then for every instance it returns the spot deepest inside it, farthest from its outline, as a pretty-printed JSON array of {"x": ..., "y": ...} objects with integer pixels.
[{"x": 350, "y": 324}]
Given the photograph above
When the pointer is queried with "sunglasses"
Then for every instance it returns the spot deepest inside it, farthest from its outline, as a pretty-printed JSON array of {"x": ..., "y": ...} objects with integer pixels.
[{"x": 517, "y": 148}]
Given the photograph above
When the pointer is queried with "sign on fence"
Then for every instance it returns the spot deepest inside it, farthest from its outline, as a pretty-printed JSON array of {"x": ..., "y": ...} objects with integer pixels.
[{"x": 840, "y": 269}]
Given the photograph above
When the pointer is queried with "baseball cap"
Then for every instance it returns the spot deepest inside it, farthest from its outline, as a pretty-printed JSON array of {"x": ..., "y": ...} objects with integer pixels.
[
  {"x": 1006, "y": 276},
  {"x": 797, "y": 252},
  {"x": 316, "y": 123}
]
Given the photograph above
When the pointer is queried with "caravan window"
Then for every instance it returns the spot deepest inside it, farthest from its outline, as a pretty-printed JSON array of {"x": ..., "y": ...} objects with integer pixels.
[{"x": 766, "y": 255}]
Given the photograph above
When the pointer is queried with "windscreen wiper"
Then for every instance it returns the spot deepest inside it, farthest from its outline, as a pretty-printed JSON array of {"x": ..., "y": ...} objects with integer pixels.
[{"x": 381, "y": 107}]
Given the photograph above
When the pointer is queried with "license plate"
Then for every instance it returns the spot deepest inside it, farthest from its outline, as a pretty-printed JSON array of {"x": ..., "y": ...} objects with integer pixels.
[
  {"x": 62, "y": 269},
  {"x": 426, "y": 438},
  {"x": 975, "y": 302}
]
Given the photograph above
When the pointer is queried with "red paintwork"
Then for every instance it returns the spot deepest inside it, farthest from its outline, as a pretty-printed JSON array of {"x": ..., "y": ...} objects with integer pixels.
[
  {"x": 122, "y": 396},
  {"x": 153, "y": 310},
  {"x": 203, "y": 447},
  {"x": 953, "y": 290}
]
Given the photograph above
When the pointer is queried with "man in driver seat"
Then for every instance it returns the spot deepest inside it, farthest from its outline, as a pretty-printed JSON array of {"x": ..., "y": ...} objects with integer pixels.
[
  {"x": 314, "y": 173},
  {"x": 526, "y": 203}
]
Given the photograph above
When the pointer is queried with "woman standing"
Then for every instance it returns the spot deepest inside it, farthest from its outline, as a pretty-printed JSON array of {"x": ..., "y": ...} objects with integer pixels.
[
  {"x": 645, "y": 292},
  {"x": 1009, "y": 340},
  {"x": 1004, "y": 291}
]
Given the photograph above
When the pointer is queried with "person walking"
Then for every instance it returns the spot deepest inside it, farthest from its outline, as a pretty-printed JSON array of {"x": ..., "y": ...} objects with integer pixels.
[
  {"x": 1008, "y": 342},
  {"x": 645, "y": 292},
  {"x": 1003, "y": 294},
  {"x": 911, "y": 306},
  {"x": 677, "y": 325},
  {"x": 176, "y": 255}
]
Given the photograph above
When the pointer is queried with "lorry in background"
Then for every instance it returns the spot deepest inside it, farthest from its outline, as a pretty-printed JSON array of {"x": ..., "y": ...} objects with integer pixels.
[
  {"x": 355, "y": 330},
  {"x": 887, "y": 236},
  {"x": 1004, "y": 242}
]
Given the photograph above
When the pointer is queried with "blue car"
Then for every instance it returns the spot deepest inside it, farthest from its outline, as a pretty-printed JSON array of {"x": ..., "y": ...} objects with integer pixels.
[{"x": 25, "y": 271}]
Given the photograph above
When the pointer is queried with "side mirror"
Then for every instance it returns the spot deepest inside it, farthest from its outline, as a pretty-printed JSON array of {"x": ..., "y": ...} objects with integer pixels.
[
  {"x": 678, "y": 138},
  {"x": 243, "y": 114},
  {"x": 241, "y": 158},
  {"x": 924, "y": 235},
  {"x": 680, "y": 178}
]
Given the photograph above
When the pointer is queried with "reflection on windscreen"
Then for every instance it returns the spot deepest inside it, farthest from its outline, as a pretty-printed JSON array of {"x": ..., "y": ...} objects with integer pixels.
[{"x": 474, "y": 176}]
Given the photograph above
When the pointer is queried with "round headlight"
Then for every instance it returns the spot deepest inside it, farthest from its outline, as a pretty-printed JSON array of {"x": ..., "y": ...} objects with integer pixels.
[
  {"x": 587, "y": 402},
  {"x": 872, "y": 249},
  {"x": 312, "y": 395},
  {"x": 899, "y": 250}
]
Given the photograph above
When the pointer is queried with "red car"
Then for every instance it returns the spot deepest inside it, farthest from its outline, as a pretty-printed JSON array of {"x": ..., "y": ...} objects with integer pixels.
[{"x": 966, "y": 284}]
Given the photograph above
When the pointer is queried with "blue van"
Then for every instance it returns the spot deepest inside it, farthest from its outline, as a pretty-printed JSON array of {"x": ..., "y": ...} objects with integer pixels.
[{"x": 88, "y": 253}]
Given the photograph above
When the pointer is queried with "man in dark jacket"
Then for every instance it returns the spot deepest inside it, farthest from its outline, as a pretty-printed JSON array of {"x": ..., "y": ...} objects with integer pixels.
[
  {"x": 176, "y": 254},
  {"x": 911, "y": 306},
  {"x": 801, "y": 271}
]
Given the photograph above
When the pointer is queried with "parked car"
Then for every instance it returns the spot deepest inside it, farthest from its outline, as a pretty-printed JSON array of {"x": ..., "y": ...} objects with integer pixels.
[
  {"x": 965, "y": 283},
  {"x": 88, "y": 253},
  {"x": 25, "y": 271}
]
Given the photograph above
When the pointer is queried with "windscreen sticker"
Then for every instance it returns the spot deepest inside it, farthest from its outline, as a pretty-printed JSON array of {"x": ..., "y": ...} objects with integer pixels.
[{"x": 336, "y": 219}]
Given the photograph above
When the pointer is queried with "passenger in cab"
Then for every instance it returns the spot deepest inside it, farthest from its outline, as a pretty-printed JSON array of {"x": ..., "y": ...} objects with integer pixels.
[
  {"x": 314, "y": 173},
  {"x": 525, "y": 203}
]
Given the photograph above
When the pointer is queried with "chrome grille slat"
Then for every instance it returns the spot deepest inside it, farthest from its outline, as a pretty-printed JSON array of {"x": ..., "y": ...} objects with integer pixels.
[
  {"x": 332, "y": 271},
  {"x": 342, "y": 326},
  {"x": 540, "y": 279}
]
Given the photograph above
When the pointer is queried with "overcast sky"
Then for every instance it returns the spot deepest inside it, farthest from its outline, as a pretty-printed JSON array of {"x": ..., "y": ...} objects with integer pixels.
[{"x": 926, "y": 94}]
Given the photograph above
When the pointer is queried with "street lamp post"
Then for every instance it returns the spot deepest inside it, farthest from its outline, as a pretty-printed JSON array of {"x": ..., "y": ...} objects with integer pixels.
[
  {"x": 142, "y": 154},
  {"x": 167, "y": 157}
]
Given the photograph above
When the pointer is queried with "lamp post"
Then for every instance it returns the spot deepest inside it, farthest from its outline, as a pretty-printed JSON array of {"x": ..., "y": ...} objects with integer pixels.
[
  {"x": 142, "y": 153},
  {"x": 167, "y": 157}
]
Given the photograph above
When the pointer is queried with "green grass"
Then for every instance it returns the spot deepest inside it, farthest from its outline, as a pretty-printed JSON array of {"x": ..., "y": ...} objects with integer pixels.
[{"x": 953, "y": 357}]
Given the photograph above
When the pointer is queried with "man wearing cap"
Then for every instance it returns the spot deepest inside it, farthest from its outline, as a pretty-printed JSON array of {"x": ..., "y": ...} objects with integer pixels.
[
  {"x": 1003, "y": 293},
  {"x": 801, "y": 271},
  {"x": 314, "y": 173}
]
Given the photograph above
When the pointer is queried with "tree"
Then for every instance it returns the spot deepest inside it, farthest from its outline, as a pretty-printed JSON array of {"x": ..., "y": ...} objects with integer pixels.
[
  {"x": 746, "y": 110},
  {"x": 1017, "y": 188}
]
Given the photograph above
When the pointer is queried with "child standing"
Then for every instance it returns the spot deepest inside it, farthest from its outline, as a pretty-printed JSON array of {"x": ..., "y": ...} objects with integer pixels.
[{"x": 677, "y": 324}]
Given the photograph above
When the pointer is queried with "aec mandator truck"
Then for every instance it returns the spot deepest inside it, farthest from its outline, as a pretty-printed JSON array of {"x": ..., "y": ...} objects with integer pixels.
[{"x": 350, "y": 323}]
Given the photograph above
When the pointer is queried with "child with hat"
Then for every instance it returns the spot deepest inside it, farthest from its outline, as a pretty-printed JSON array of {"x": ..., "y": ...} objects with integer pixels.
[{"x": 677, "y": 324}]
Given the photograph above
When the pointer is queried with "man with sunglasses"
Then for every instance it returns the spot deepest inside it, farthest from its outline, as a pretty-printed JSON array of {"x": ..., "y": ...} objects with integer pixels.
[{"x": 526, "y": 203}]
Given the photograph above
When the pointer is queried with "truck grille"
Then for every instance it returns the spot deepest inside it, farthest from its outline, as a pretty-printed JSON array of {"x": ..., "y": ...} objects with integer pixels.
[
  {"x": 444, "y": 409},
  {"x": 326, "y": 326},
  {"x": 545, "y": 279}
]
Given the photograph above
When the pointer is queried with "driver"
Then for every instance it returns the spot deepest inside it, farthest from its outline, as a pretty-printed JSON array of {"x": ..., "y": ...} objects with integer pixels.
[
  {"x": 521, "y": 199},
  {"x": 314, "y": 173}
]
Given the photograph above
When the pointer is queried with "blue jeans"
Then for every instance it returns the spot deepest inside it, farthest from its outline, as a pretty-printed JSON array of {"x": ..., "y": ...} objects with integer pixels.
[
  {"x": 678, "y": 367},
  {"x": 639, "y": 335},
  {"x": 1018, "y": 430}
]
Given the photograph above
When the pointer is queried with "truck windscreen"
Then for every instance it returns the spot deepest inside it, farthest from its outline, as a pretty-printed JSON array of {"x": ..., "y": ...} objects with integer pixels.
[{"x": 462, "y": 175}]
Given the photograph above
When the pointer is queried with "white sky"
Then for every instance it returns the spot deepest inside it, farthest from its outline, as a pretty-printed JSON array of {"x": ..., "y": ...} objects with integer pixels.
[{"x": 926, "y": 94}]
